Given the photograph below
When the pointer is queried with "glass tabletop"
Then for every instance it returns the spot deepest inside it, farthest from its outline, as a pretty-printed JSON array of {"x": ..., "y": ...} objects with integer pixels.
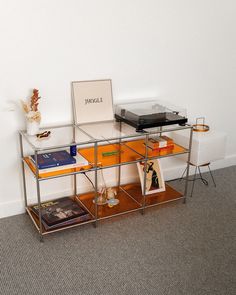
[
  {"x": 103, "y": 132},
  {"x": 60, "y": 136},
  {"x": 109, "y": 131}
]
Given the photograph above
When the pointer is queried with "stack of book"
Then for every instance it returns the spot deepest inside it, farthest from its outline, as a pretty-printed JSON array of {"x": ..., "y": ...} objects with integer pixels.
[
  {"x": 55, "y": 161},
  {"x": 160, "y": 143},
  {"x": 60, "y": 212}
]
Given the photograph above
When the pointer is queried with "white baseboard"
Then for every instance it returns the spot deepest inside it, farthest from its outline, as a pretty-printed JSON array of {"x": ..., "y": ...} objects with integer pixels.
[{"x": 17, "y": 207}]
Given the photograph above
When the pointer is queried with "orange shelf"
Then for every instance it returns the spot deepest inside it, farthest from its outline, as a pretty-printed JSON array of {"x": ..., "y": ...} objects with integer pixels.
[
  {"x": 57, "y": 172},
  {"x": 129, "y": 151},
  {"x": 123, "y": 155},
  {"x": 130, "y": 197},
  {"x": 139, "y": 146},
  {"x": 168, "y": 195},
  {"x": 126, "y": 204},
  {"x": 130, "y": 201}
]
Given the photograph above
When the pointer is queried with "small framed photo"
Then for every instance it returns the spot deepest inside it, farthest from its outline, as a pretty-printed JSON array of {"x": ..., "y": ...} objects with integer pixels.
[
  {"x": 92, "y": 101},
  {"x": 154, "y": 177}
]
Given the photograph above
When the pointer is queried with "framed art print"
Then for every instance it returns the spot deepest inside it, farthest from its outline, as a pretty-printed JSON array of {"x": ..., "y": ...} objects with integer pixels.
[
  {"x": 154, "y": 177},
  {"x": 92, "y": 101}
]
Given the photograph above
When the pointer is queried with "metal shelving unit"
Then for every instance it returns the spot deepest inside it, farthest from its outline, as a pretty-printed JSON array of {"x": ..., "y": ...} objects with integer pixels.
[{"x": 91, "y": 140}]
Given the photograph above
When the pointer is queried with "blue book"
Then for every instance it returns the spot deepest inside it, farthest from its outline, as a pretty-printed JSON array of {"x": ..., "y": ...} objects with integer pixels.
[{"x": 54, "y": 159}]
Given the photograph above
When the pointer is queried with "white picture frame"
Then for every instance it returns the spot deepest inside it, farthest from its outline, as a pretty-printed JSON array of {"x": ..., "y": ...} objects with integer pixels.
[
  {"x": 154, "y": 177},
  {"x": 92, "y": 101}
]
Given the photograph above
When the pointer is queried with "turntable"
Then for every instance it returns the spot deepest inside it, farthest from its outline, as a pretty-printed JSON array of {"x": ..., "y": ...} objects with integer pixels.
[{"x": 147, "y": 114}]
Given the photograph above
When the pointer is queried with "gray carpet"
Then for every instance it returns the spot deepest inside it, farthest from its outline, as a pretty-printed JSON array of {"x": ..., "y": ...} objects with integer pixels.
[{"x": 173, "y": 249}]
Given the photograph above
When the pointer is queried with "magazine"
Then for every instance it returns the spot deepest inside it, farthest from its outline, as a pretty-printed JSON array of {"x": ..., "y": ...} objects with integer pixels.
[
  {"x": 154, "y": 177},
  {"x": 60, "y": 210},
  {"x": 72, "y": 221}
]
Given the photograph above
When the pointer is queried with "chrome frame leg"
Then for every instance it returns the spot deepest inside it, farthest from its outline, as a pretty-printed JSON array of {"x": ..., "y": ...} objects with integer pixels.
[
  {"x": 145, "y": 175},
  {"x": 39, "y": 197},
  {"x": 182, "y": 176},
  {"x": 75, "y": 185},
  {"x": 23, "y": 171},
  {"x": 188, "y": 166},
  {"x": 119, "y": 167},
  {"x": 96, "y": 184},
  {"x": 75, "y": 175}
]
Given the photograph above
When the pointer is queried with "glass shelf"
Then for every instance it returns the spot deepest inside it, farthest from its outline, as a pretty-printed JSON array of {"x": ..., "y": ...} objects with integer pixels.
[
  {"x": 109, "y": 131},
  {"x": 102, "y": 133},
  {"x": 118, "y": 150},
  {"x": 60, "y": 137}
]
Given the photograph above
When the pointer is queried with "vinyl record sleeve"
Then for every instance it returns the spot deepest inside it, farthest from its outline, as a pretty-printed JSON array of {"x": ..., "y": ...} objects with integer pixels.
[{"x": 92, "y": 101}]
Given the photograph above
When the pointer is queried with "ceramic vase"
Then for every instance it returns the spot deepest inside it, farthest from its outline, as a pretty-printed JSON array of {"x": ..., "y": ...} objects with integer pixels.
[{"x": 32, "y": 123}]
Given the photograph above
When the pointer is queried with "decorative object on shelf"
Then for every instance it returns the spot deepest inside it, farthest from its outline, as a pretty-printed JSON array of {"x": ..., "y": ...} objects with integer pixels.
[
  {"x": 33, "y": 115},
  {"x": 112, "y": 202},
  {"x": 104, "y": 195},
  {"x": 154, "y": 177},
  {"x": 101, "y": 191},
  {"x": 111, "y": 197},
  {"x": 200, "y": 127},
  {"x": 159, "y": 143},
  {"x": 101, "y": 199},
  {"x": 111, "y": 153},
  {"x": 43, "y": 135},
  {"x": 111, "y": 193},
  {"x": 92, "y": 101},
  {"x": 73, "y": 150}
]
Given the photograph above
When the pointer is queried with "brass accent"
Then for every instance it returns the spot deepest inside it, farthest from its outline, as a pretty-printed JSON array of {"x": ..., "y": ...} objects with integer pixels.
[{"x": 200, "y": 127}]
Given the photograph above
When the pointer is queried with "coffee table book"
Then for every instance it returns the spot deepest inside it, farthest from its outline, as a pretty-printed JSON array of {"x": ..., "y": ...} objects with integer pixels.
[{"x": 60, "y": 212}]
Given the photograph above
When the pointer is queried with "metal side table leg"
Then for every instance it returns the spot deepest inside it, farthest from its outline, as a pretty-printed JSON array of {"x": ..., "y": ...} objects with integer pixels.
[
  {"x": 211, "y": 174},
  {"x": 194, "y": 179},
  {"x": 204, "y": 181},
  {"x": 182, "y": 176}
]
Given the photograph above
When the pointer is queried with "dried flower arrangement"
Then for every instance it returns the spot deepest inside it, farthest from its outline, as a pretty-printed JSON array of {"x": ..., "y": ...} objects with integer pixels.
[{"x": 31, "y": 110}]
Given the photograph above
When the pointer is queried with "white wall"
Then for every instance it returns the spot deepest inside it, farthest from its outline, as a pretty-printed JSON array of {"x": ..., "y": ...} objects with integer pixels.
[{"x": 183, "y": 50}]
